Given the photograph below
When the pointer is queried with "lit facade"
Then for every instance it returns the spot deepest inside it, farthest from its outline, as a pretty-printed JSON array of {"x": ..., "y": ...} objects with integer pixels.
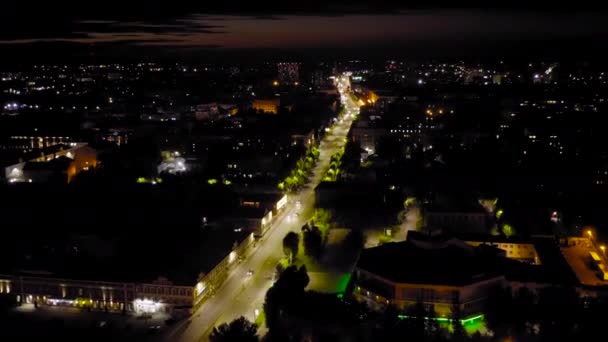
[
  {"x": 78, "y": 156},
  {"x": 28, "y": 143},
  {"x": 515, "y": 248},
  {"x": 266, "y": 105},
  {"x": 158, "y": 296},
  {"x": 521, "y": 251},
  {"x": 470, "y": 297}
]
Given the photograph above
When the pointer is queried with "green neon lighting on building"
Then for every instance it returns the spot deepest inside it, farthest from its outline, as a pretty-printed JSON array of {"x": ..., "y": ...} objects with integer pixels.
[
  {"x": 343, "y": 282},
  {"x": 470, "y": 320}
]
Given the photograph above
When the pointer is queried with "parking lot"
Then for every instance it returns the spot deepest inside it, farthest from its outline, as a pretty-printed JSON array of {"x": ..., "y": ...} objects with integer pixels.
[{"x": 577, "y": 255}]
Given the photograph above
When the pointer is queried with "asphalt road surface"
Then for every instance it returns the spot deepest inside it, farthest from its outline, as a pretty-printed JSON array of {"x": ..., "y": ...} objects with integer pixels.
[{"x": 243, "y": 294}]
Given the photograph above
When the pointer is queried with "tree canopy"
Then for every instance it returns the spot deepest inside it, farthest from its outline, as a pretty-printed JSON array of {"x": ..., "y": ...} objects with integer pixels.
[
  {"x": 291, "y": 242},
  {"x": 313, "y": 242},
  {"x": 239, "y": 330}
]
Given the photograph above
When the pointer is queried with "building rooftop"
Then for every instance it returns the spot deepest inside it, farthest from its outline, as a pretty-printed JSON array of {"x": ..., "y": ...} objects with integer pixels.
[
  {"x": 455, "y": 206},
  {"x": 472, "y": 237},
  {"x": 120, "y": 232},
  {"x": 95, "y": 259},
  {"x": 554, "y": 268},
  {"x": 249, "y": 212},
  {"x": 360, "y": 187},
  {"x": 60, "y": 163},
  {"x": 439, "y": 263},
  {"x": 264, "y": 198}
]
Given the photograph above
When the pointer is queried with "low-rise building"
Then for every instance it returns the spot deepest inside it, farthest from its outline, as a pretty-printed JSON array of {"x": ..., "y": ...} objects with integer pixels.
[
  {"x": 256, "y": 220},
  {"x": 29, "y": 142},
  {"x": 303, "y": 137},
  {"x": 266, "y": 105},
  {"x": 207, "y": 112},
  {"x": 518, "y": 248},
  {"x": 437, "y": 274},
  {"x": 127, "y": 290},
  {"x": 521, "y": 249},
  {"x": 368, "y": 133},
  {"x": 157, "y": 296},
  {"x": 441, "y": 271},
  {"x": 214, "y": 111},
  {"x": 256, "y": 211},
  {"x": 58, "y": 162},
  {"x": 457, "y": 216}
]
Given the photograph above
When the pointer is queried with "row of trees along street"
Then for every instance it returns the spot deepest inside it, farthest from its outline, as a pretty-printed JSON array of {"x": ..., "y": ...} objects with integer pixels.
[
  {"x": 298, "y": 175},
  {"x": 312, "y": 239}
]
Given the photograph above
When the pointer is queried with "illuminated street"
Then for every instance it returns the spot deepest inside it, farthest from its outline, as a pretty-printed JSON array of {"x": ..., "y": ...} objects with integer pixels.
[{"x": 243, "y": 294}]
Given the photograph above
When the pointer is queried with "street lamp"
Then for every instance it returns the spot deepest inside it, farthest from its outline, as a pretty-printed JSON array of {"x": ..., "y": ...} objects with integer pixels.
[
  {"x": 388, "y": 232},
  {"x": 603, "y": 248}
]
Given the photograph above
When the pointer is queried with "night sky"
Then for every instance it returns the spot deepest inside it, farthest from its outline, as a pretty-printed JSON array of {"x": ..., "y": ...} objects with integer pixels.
[{"x": 109, "y": 27}]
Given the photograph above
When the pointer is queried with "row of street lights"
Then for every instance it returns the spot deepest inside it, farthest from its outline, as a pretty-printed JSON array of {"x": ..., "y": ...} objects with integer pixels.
[{"x": 593, "y": 241}]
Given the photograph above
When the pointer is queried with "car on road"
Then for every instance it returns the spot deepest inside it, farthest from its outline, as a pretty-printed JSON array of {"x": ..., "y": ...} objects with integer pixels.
[
  {"x": 249, "y": 273},
  {"x": 154, "y": 329}
]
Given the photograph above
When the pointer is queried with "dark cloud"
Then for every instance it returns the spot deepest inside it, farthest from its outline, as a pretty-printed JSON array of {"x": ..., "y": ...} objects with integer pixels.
[
  {"x": 40, "y": 35},
  {"x": 95, "y": 22},
  {"x": 173, "y": 26},
  {"x": 188, "y": 34},
  {"x": 86, "y": 31},
  {"x": 176, "y": 43},
  {"x": 267, "y": 17},
  {"x": 99, "y": 25}
]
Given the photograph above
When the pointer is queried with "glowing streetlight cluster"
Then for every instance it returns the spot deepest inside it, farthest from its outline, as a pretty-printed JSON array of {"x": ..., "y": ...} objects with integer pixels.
[{"x": 11, "y": 106}]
